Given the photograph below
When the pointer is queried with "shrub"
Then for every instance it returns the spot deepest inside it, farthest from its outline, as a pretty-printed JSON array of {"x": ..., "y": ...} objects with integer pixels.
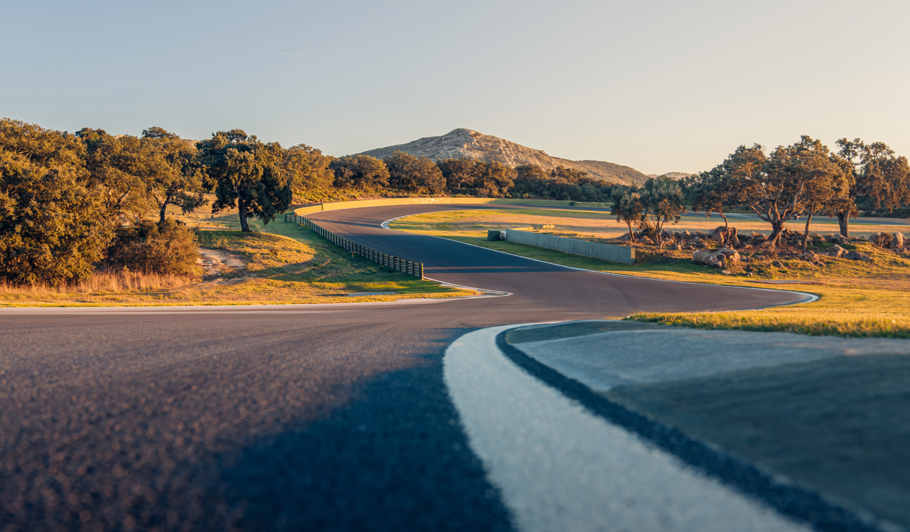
[{"x": 148, "y": 247}]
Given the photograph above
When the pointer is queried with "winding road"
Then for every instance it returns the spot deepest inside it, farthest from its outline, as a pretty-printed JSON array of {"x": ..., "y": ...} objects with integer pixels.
[{"x": 315, "y": 417}]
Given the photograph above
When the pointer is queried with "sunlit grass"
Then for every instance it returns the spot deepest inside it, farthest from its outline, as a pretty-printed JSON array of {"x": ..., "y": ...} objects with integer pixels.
[{"x": 855, "y": 298}]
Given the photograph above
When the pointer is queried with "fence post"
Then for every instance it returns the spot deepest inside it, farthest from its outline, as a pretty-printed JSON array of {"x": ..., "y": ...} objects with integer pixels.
[{"x": 421, "y": 271}]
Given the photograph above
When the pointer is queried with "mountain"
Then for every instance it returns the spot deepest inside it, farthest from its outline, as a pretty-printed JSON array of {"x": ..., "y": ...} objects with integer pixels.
[{"x": 462, "y": 143}]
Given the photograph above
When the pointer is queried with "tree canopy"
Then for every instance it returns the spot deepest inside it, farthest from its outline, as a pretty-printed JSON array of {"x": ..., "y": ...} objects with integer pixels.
[
  {"x": 247, "y": 175},
  {"x": 414, "y": 174},
  {"x": 53, "y": 225}
]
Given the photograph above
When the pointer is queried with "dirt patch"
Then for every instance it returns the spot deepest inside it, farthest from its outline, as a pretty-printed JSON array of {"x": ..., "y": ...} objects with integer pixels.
[{"x": 217, "y": 262}]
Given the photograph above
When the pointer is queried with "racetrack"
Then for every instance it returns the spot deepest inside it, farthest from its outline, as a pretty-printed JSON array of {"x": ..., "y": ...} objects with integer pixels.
[{"x": 286, "y": 417}]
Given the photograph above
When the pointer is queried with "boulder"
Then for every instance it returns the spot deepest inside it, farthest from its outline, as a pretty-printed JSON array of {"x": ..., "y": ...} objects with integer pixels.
[
  {"x": 882, "y": 240},
  {"x": 897, "y": 241},
  {"x": 717, "y": 258},
  {"x": 857, "y": 255},
  {"x": 836, "y": 251}
]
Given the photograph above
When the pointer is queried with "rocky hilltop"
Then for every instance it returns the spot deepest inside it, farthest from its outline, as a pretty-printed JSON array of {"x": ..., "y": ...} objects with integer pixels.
[{"x": 462, "y": 143}]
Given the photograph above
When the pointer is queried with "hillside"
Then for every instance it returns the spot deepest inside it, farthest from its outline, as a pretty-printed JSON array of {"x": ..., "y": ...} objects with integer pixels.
[{"x": 462, "y": 143}]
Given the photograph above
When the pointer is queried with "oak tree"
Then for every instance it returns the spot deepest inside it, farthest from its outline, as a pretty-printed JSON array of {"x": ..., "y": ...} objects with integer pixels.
[{"x": 247, "y": 175}]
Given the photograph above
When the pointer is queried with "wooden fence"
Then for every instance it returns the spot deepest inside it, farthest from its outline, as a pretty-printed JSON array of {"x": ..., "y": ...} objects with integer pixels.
[{"x": 390, "y": 261}]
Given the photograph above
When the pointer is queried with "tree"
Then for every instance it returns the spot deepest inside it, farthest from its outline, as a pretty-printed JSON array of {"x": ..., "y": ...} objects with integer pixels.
[
  {"x": 877, "y": 175},
  {"x": 566, "y": 174},
  {"x": 457, "y": 172},
  {"x": 827, "y": 181},
  {"x": 307, "y": 169},
  {"x": 661, "y": 199},
  {"x": 530, "y": 172},
  {"x": 116, "y": 166},
  {"x": 360, "y": 171},
  {"x": 627, "y": 207},
  {"x": 789, "y": 182},
  {"x": 711, "y": 192},
  {"x": 53, "y": 226},
  {"x": 493, "y": 179},
  {"x": 414, "y": 174},
  {"x": 247, "y": 174},
  {"x": 170, "y": 170}
]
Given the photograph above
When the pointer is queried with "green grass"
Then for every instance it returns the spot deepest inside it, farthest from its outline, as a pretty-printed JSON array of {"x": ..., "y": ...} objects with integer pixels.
[{"x": 855, "y": 298}]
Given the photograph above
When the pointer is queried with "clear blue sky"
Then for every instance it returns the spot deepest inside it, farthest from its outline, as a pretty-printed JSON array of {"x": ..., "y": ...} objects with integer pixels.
[{"x": 657, "y": 85}]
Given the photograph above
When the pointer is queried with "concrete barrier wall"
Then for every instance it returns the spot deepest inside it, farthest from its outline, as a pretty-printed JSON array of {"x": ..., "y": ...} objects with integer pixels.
[{"x": 625, "y": 255}]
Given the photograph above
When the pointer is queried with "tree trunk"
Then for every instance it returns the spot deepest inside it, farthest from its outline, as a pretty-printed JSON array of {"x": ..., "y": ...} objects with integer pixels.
[
  {"x": 631, "y": 235},
  {"x": 777, "y": 228},
  {"x": 726, "y": 222},
  {"x": 241, "y": 210},
  {"x": 843, "y": 220},
  {"x": 806, "y": 235},
  {"x": 163, "y": 211}
]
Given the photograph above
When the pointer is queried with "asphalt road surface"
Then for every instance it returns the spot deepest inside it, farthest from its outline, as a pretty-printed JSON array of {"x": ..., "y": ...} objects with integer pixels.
[{"x": 320, "y": 417}]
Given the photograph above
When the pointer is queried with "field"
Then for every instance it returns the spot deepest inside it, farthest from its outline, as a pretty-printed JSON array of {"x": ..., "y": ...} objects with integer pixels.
[{"x": 855, "y": 298}]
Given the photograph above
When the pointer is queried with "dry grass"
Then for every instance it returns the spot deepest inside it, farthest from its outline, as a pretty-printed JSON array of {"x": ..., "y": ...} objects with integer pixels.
[
  {"x": 113, "y": 281},
  {"x": 855, "y": 298}
]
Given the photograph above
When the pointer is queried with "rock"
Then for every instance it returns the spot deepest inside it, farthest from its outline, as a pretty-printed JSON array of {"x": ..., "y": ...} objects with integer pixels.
[
  {"x": 857, "y": 255},
  {"x": 707, "y": 257},
  {"x": 897, "y": 241},
  {"x": 718, "y": 258},
  {"x": 809, "y": 256},
  {"x": 778, "y": 264},
  {"x": 677, "y": 247},
  {"x": 836, "y": 251},
  {"x": 733, "y": 238},
  {"x": 881, "y": 240},
  {"x": 836, "y": 238},
  {"x": 645, "y": 240}
]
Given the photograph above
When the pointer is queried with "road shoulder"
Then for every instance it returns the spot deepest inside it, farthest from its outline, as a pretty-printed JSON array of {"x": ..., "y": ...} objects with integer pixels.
[{"x": 825, "y": 415}]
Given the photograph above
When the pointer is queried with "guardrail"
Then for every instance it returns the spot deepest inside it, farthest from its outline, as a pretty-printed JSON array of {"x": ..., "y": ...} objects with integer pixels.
[{"x": 390, "y": 261}]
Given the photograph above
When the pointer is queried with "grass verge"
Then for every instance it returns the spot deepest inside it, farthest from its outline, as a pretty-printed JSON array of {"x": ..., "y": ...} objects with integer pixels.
[
  {"x": 289, "y": 264},
  {"x": 856, "y": 299}
]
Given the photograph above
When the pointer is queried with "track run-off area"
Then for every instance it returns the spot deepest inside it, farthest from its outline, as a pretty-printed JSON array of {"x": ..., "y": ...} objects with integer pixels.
[{"x": 345, "y": 416}]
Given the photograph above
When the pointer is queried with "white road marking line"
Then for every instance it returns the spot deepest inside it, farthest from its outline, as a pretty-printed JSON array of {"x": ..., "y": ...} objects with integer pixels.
[{"x": 561, "y": 468}]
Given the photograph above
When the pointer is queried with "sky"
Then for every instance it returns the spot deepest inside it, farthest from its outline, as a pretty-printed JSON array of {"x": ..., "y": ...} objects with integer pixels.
[{"x": 657, "y": 85}]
